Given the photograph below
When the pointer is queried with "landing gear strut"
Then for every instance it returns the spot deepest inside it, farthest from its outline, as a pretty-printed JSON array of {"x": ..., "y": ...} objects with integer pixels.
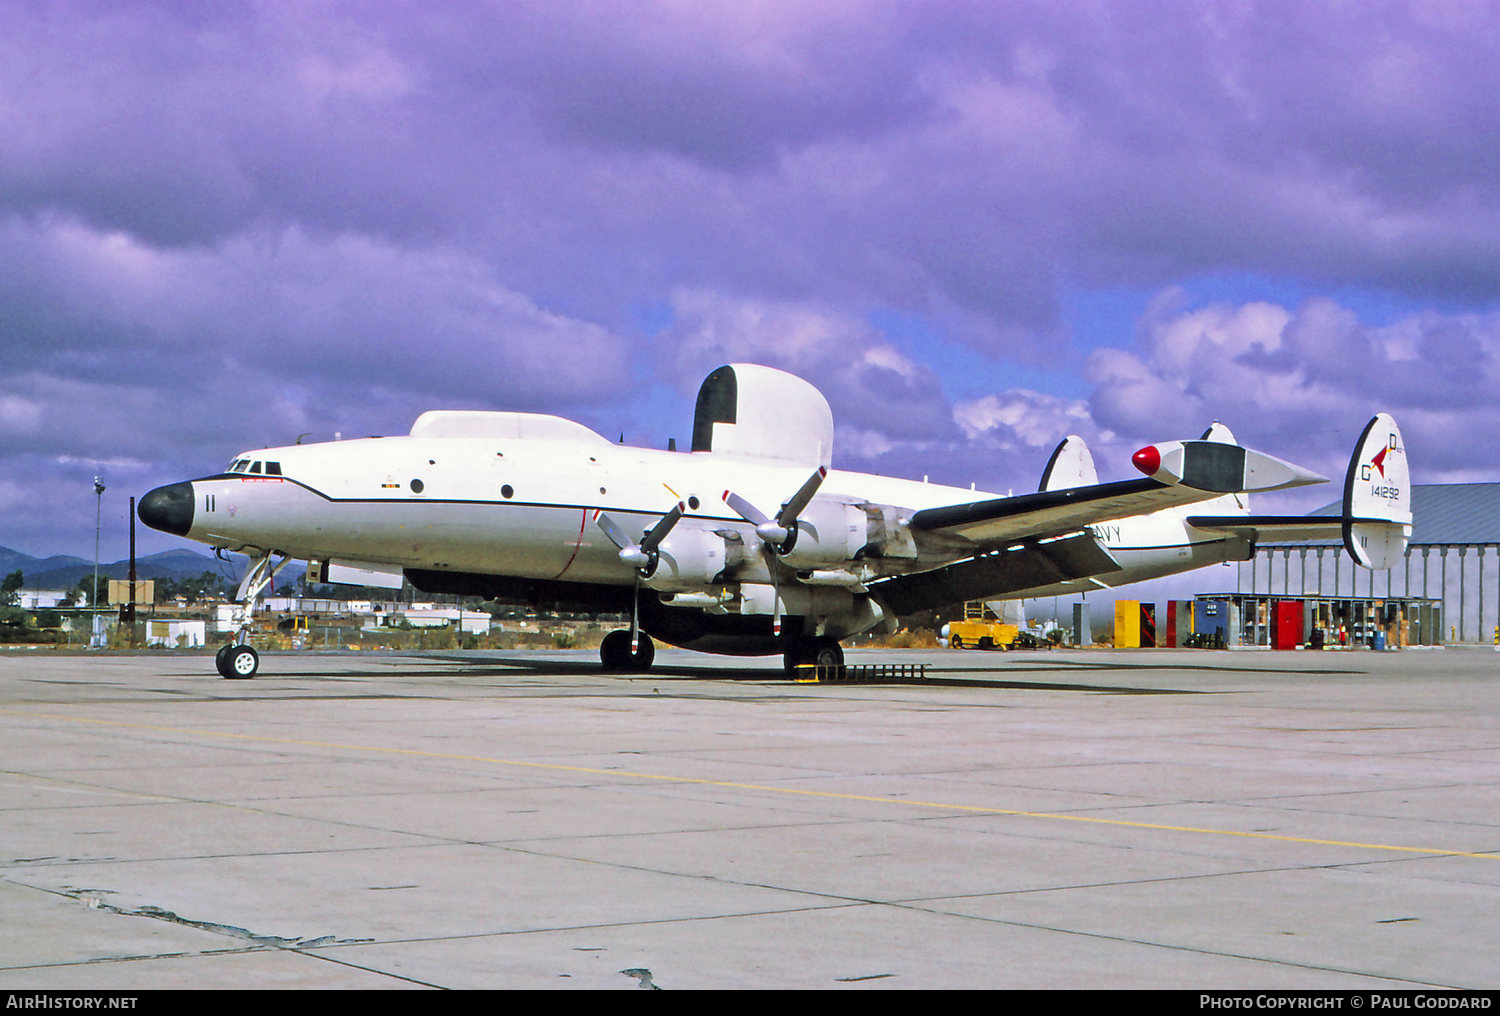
[
  {"x": 238, "y": 661},
  {"x": 616, "y": 655}
]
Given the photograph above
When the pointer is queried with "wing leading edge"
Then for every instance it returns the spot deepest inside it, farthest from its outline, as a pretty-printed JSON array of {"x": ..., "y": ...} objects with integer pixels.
[{"x": 1054, "y": 512}]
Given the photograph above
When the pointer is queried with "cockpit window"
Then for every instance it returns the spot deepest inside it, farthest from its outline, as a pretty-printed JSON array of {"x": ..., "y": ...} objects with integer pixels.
[{"x": 258, "y": 468}]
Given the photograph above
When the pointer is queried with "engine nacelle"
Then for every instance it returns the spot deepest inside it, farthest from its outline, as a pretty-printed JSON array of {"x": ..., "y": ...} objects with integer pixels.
[
  {"x": 827, "y": 533},
  {"x": 687, "y": 559}
]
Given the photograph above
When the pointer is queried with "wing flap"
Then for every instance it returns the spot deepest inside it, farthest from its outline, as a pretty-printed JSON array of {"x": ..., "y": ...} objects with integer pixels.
[{"x": 988, "y": 576}]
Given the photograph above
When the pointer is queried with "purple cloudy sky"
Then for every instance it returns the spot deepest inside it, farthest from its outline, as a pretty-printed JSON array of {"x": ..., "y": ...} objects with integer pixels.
[{"x": 977, "y": 226}]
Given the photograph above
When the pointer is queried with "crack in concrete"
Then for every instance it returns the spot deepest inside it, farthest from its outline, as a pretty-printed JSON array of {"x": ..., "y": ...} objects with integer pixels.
[
  {"x": 644, "y": 976},
  {"x": 92, "y": 898}
]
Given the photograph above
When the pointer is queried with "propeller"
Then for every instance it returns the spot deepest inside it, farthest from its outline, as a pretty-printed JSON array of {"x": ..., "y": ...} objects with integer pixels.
[
  {"x": 643, "y": 556},
  {"x": 780, "y": 532}
]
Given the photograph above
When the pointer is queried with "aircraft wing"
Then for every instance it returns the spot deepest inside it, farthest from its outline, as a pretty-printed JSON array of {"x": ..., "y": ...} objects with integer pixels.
[
  {"x": 1054, "y": 512},
  {"x": 1027, "y": 541},
  {"x": 1177, "y": 473}
]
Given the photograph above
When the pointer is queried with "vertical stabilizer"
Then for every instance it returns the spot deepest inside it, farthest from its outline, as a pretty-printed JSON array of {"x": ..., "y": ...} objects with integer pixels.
[
  {"x": 1071, "y": 465},
  {"x": 1218, "y": 432},
  {"x": 1377, "y": 495}
]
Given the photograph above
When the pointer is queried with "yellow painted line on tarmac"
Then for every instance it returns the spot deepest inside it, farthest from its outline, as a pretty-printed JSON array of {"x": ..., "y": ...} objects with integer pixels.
[{"x": 763, "y": 788}]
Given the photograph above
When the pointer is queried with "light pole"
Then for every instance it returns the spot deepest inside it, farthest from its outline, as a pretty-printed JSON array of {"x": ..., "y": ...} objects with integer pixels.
[{"x": 98, "y": 511}]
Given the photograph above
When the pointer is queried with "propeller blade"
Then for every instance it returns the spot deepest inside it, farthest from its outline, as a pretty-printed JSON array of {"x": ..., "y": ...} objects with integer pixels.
[
  {"x": 801, "y": 499},
  {"x": 641, "y": 555},
  {"x": 778, "y": 531},
  {"x": 764, "y": 526},
  {"x": 630, "y": 553},
  {"x": 658, "y": 532},
  {"x": 613, "y": 531},
  {"x": 744, "y": 509}
]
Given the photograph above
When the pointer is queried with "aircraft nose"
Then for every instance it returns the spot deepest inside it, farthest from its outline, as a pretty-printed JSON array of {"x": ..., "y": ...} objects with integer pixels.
[{"x": 168, "y": 508}]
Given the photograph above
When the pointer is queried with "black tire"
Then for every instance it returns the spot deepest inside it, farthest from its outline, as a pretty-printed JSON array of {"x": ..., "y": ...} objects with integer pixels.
[
  {"x": 819, "y": 652},
  {"x": 615, "y": 654},
  {"x": 827, "y": 652},
  {"x": 221, "y": 661},
  {"x": 955, "y": 642},
  {"x": 240, "y": 663}
]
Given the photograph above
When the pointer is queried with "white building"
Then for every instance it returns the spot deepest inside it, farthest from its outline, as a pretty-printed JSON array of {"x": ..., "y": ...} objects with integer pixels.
[
  {"x": 177, "y": 634},
  {"x": 42, "y": 599}
]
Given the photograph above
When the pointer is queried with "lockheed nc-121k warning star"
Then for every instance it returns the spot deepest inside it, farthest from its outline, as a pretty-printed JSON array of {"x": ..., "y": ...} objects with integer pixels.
[{"x": 749, "y": 543}]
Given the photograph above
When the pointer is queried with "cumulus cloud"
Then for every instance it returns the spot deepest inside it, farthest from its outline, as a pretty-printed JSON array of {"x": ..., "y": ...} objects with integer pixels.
[
  {"x": 1300, "y": 382},
  {"x": 868, "y": 381},
  {"x": 150, "y": 364}
]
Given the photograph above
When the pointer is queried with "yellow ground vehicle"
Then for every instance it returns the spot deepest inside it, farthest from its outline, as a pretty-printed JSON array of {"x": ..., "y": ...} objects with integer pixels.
[{"x": 980, "y": 629}]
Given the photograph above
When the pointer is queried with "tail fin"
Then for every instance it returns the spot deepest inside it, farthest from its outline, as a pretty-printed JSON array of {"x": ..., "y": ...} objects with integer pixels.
[
  {"x": 1377, "y": 495},
  {"x": 1218, "y": 432},
  {"x": 1071, "y": 465},
  {"x": 1375, "y": 522}
]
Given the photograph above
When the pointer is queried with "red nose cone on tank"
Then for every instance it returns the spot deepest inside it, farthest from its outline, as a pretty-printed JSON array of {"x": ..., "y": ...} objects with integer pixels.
[{"x": 1147, "y": 460}]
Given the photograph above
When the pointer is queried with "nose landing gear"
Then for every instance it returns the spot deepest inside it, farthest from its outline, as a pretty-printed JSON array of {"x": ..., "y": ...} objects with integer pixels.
[{"x": 237, "y": 662}]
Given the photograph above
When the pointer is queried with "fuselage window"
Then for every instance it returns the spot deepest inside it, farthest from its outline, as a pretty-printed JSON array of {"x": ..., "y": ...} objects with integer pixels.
[
  {"x": 255, "y": 468},
  {"x": 273, "y": 468}
]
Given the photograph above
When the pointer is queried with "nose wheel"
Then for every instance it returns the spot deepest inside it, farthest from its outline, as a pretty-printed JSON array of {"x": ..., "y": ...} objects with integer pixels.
[{"x": 237, "y": 662}]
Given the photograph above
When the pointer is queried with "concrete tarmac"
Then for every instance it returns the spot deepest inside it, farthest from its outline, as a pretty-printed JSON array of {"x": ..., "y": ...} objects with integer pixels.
[{"x": 1066, "y": 819}]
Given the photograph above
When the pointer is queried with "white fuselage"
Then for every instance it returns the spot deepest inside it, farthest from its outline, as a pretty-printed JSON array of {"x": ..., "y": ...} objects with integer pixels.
[
  {"x": 521, "y": 508},
  {"x": 522, "y": 502}
]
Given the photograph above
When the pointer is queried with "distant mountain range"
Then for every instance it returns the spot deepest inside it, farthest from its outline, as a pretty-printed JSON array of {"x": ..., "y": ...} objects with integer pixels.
[{"x": 62, "y": 571}]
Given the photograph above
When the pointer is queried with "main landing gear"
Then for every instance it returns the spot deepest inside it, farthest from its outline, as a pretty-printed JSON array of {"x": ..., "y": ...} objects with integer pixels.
[
  {"x": 615, "y": 651},
  {"x": 821, "y": 651}
]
